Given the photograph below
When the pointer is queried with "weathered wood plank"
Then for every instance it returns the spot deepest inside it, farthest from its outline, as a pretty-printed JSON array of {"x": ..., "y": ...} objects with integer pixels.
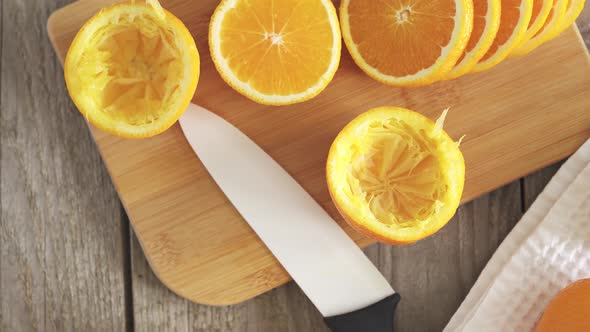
[
  {"x": 155, "y": 307},
  {"x": 61, "y": 245}
]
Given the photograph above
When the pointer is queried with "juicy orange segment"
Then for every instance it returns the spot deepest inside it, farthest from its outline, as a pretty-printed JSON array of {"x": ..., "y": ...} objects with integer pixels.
[
  {"x": 514, "y": 21},
  {"x": 276, "y": 52},
  {"x": 541, "y": 10},
  {"x": 486, "y": 21},
  {"x": 395, "y": 175},
  {"x": 409, "y": 42},
  {"x": 132, "y": 69},
  {"x": 547, "y": 31}
]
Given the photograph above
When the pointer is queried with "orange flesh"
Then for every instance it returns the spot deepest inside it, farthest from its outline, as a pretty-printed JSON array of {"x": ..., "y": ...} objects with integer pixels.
[
  {"x": 131, "y": 69},
  {"x": 393, "y": 168},
  {"x": 509, "y": 18},
  {"x": 480, "y": 9},
  {"x": 269, "y": 46},
  {"x": 412, "y": 33}
]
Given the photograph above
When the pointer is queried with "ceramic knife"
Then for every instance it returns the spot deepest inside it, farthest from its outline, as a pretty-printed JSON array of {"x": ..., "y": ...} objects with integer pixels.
[{"x": 351, "y": 294}]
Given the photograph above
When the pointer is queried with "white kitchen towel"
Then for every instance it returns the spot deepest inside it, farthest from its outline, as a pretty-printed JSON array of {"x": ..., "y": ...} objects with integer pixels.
[{"x": 548, "y": 249}]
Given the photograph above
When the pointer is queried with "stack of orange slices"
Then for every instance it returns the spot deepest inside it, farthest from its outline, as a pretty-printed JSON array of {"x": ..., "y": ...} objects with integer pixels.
[{"x": 413, "y": 42}]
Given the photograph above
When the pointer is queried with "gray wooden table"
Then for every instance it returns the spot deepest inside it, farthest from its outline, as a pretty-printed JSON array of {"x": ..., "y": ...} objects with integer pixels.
[{"x": 69, "y": 260}]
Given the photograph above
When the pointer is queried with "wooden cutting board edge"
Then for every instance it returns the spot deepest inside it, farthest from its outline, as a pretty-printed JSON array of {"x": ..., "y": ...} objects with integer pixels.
[{"x": 52, "y": 28}]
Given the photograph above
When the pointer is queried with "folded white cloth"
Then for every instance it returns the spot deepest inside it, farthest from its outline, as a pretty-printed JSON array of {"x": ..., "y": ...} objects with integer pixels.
[{"x": 548, "y": 249}]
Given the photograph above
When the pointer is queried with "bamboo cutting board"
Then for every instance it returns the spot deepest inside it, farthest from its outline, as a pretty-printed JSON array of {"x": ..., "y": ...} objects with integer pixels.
[{"x": 518, "y": 117}]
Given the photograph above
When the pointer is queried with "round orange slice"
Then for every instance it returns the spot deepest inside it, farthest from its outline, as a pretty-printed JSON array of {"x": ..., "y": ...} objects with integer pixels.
[
  {"x": 276, "y": 52},
  {"x": 551, "y": 26},
  {"x": 541, "y": 10},
  {"x": 514, "y": 21},
  {"x": 406, "y": 43},
  {"x": 486, "y": 22},
  {"x": 132, "y": 69},
  {"x": 395, "y": 175}
]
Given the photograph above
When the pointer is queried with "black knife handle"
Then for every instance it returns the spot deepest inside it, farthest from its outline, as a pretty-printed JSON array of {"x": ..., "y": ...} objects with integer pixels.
[{"x": 377, "y": 317}]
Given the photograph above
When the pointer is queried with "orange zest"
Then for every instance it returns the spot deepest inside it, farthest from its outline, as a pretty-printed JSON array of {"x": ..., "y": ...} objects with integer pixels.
[
  {"x": 541, "y": 10},
  {"x": 486, "y": 22},
  {"x": 572, "y": 11},
  {"x": 547, "y": 31}
]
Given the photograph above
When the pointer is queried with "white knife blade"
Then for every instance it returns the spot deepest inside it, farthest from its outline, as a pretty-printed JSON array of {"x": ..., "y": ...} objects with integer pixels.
[{"x": 326, "y": 264}]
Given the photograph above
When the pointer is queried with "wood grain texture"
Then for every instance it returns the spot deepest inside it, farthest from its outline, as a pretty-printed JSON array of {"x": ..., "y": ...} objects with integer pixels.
[
  {"x": 60, "y": 231},
  {"x": 198, "y": 244},
  {"x": 156, "y": 308},
  {"x": 282, "y": 309}
]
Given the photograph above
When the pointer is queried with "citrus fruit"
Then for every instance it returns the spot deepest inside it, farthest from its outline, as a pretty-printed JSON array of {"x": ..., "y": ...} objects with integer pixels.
[
  {"x": 549, "y": 28},
  {"x": 572, "y": 11},
  {"x": 132, "y": 69},
  {"x": 409, "y": 42},
  {"x": 395, "y": 175},
  {"x": 276, "y": 52},
  {"x": 486, "y": 21},
  {"x": 514, "y": 21},
  {"x": 569, "y": 310},
  {"x": 541, "y": 10}
]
